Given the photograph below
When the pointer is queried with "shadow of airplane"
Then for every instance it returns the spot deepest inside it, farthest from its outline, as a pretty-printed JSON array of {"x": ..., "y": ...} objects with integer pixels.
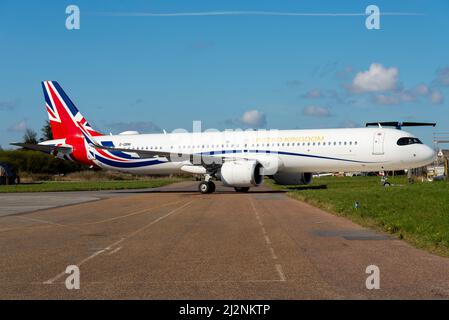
[
  {"x": 297, "y": 188},
  {"x": 196, "y": 191}
]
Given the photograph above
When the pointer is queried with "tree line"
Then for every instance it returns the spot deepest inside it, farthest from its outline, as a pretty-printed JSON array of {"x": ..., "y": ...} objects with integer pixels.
[{"x": 30, "y": 135}]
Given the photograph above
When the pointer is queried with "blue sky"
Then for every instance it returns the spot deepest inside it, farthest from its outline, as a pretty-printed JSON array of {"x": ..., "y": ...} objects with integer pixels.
[{"x": 284, "y": 72}]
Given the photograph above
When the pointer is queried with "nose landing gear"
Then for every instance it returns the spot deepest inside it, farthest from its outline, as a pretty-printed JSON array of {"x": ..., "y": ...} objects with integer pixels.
[{"x": 384, "y": 181}]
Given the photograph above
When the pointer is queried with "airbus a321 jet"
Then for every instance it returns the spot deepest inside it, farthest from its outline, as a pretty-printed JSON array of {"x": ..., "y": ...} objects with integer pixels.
[{"x": 240, "y": 159}]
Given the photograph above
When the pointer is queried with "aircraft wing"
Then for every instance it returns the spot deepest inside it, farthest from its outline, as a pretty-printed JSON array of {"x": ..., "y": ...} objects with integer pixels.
[{"x": 43, "y": 147}]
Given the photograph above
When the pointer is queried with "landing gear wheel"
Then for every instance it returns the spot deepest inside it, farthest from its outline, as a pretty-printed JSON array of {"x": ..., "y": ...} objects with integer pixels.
[
  {"x": 241, "y": 189},
  {"x": 206, "y": 187}
]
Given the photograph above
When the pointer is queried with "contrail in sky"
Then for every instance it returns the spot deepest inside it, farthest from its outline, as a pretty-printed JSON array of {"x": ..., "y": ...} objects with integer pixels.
[{"x": 247, "y": 13}]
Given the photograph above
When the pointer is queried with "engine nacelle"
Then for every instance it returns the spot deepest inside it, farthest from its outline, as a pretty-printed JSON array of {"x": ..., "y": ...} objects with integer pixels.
[
  {"x": 241, "y": 173},
  {"x": 293, "y": 178}
]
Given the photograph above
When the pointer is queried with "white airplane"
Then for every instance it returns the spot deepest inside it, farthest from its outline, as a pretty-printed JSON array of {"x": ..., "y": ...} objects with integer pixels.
[{"x": 240, "y": 159}]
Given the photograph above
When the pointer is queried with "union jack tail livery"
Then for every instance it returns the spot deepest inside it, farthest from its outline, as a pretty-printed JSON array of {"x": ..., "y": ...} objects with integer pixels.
[
  {"x": 70, "y": 129},
  {"x": 65, "y": 118}
]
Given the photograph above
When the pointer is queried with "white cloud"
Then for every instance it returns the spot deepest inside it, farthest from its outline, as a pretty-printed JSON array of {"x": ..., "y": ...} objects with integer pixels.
[
  {"x": 19, "y": 127},
  {"x": 349, "y": 124},
  {"x": 422, "y": 90},
  {"x": 412, "y": 95},
  {"x": 316, "y": 111},
  {"x": 387, "y": 99},
  {"x": 436, "y": 97},
  {"x": 313, "y": 94},
  {"x": 254, "y": 119},
  {"x": 407, "y": 96},
  {"x": 376, "y": 79}
]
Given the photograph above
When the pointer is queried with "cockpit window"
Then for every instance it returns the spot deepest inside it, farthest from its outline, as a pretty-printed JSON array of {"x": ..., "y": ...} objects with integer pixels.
[{"x": 408, "y": 140}]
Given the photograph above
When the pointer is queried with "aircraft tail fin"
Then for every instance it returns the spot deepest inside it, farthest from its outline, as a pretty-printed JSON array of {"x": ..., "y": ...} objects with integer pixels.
[{"x": 65, "y": 118}]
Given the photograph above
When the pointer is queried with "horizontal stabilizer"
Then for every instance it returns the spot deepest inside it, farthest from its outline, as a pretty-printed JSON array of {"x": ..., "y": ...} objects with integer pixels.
[
  {"x": 43, "y": 147},
  {"x": 399, "y": 125}
]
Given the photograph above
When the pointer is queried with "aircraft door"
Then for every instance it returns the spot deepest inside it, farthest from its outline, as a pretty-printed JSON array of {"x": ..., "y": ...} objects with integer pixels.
[{"x": 378, "y": 142}]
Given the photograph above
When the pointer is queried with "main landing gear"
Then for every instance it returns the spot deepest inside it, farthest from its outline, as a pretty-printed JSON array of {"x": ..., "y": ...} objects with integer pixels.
[{"x": 206, "y": 187}]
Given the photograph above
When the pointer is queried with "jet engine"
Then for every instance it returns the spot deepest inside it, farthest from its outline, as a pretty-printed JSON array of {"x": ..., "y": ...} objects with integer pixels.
[
  {"x": 293, "y": 178},
  {"x": 241, "y": 173}
]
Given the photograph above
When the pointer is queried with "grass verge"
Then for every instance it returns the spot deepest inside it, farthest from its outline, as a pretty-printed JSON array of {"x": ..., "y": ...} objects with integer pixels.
[
  {"x": 54, "y": 186},
  {"x": 417, "y": 213}
]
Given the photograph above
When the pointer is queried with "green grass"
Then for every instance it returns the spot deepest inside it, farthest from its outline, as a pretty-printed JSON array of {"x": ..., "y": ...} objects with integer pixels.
[
  {"x": 417, "y": 213},
  {"x": 51, "y": 186}
]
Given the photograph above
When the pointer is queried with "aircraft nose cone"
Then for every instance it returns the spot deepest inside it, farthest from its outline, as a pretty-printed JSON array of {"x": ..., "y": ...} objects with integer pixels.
[{"x": 428, "y": 154}]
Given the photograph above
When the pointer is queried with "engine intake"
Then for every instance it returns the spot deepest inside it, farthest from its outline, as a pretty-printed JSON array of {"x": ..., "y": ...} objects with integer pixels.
[{"x": 241, "y": 173}]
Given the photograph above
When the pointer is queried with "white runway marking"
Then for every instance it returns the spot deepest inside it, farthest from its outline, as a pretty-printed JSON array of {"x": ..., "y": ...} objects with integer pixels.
[
  {"x": 76, "y": 226},
  {"x": 112, "y": 245},
  {"x": 267, "y": 240},
  {"x": 280, "y": 272},
  {"x": 114, "y": 251},
  {"x": 277, "y": 266},
  {"x": 273, "y": 254},
  {"x": 126, "y": 215}
]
